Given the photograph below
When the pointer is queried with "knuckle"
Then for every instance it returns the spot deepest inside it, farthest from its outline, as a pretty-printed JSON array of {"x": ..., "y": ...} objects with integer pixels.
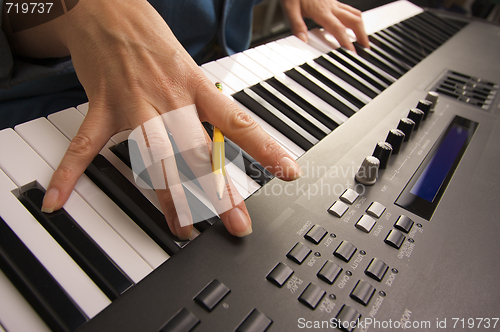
[
  {"x": 64, "y": 174},
  {"x": 81, "y": 145},
  {"x": 241, "y": 121},
  {"x": 270, "y": 149}
]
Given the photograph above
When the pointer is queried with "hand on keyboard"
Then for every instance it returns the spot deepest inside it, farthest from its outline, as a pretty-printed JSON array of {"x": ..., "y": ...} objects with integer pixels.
[
  {"x": 134, "y": 69},
  {"x": 334, "y": 16}
]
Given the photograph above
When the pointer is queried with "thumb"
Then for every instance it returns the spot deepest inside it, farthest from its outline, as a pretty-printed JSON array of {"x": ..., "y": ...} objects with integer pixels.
[
  {"x": 86, "y": 144},
  {"x": 294, "y": 14}
]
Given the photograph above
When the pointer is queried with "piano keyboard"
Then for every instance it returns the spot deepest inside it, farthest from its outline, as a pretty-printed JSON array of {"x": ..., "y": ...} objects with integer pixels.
[{"x": 111, "y": 234}]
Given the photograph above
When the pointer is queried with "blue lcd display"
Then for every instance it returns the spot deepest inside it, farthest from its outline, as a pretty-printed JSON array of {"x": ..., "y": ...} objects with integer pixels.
[{"x": 434, "y": 174}]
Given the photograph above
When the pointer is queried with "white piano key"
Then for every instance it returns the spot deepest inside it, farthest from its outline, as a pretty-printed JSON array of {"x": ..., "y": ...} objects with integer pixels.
[
  {"x": 239, "y": 70},
  {"x": 346, "y": 86},
  {"x": 381, "y": 17},
  {"x": 274, "y": 67},
  {"x": 23, "y": 165},
  {"x": 301, "y": 52},
  {"x": 296, "y": 59},
  {"x": 290, "y": 147},
  {"x": 225, "y": 89},
  {"x": 252, "y": 65},
  {"x": 314, "y": 52},
  {"x": 62, "y": 267},
  {"x": 276, "y": 57},
  {"x": 311, "y": 98},
  {"x": 16, "y": 314},
  {"x": 225, "y": 76},
  {"x": 51, "y": 145}
]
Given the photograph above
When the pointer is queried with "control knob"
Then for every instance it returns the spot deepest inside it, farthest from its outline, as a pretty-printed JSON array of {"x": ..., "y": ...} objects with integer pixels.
[
  {"x": 383, "y": 152},
  {"x": 395, "y": 139},
  {"x": 368, "y": 171},
  {"x": 406, "y": 126}
]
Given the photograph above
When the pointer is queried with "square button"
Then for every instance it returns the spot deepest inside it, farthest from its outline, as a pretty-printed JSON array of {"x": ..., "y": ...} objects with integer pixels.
[
  {"x": 375, "y": 209},
  {"x": 280, "y": 274},
  {"x": 403, "y": 223},
  {"x": 316, "y": 234},
  {"x": 365, "y": 223},
  {"x": 312, "y": 295},
  {"x": 349, "y": 196},
  {"x": 344, "y": 251},
  {"x": 212, "y": 294},
  {"x": 329, "y": 272},
  {"x": 338, "y": 208},
  {"x": 363, "y": 292},
  {"x": 299, "y": 253}
]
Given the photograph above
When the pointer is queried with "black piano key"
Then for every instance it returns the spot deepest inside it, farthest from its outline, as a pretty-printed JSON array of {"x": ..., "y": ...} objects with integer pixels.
[
  {"x": 338, "y": 105},
  {"x": 376, "y": 71},
  {"x": 443, "y": 29},
  {"x": 393, "y": 49},
  {"x": 334, "y": 86},
  {"x": 289, "y": 112},
  {"x": 389, "y": 57},
  {"x": 417, "y": 35},
  {"x": 424, "y": 30},
  {"x": 410, "y": 48},
  {"x": 359, "y": 70},
  {"x": 79, "y": 245},
  {"x": 346, "y": 77},
  {"x": 36, "y": 284},
  {"x": 378, "y": 61},
  {"x": 255, "y": 106},
  {"x": 395, "y": 30},
  {"x": 452, "y": 25},
  {"x": 133, "y": 203},
  {"x": 252, "y": 168},
  {"x": 313, "y": 110}
]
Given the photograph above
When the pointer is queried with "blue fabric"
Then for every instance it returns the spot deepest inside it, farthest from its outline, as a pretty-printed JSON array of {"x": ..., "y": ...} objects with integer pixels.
[{"x": 206, "y": 28}]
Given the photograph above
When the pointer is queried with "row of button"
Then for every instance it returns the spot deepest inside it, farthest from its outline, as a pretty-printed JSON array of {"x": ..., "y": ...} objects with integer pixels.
[{"x": 208, "y": 298}]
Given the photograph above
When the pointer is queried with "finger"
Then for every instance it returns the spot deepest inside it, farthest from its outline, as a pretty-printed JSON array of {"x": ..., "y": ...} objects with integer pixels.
[
  {"x": 86, "y": 144},
  {"x": 333, "y": 25},
  {"x": 158, "y": 158},
  {"x": 353, "y": 20},
  {"x": 194, "y": 145},
  {"x": 246, "y": 133},
  {"x": 294, "y": 14}
]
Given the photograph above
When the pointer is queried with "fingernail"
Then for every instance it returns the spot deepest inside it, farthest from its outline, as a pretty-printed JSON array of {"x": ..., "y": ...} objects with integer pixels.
[
  {"x": 302, "y": 36},
  {"x": 50, "y": 200},
  {"x": 239, "y": 223},
  {"x": 291, "y": 170}
]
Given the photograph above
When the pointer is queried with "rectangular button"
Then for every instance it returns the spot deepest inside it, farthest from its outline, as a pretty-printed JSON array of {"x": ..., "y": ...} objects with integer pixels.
[
  {"x": 183, "y": 321},
  {"x": 403, "y": 223},
  {"x": 376, "y": 269},
  {"x": 365, "y": 223},
  {"x": 375, "y": 209},
  {"x": 255, "y": 322},
  {"x": 349, "y": 196},
  {"x": 363, "y": 292},
  {"x": 349, "y": 315},
  {"x": 212, "y": 294},
  {"x": 299, "y": 253},
  {"x": 395, "y": 238},
  {"x": 312, "y": 295},
  {"x": 344, "y": 251},
  {"x": 329, "y": 272},
  {"x": 338, "y": 208},
  {"x": 316, "y": 234},
  {"x": 280, "y": 274}
]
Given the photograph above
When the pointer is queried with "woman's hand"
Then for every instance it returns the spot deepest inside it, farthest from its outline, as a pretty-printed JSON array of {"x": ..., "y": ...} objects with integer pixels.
[
  {"x": 332, "y": 15},
  {"x": 134, "y": 71}
]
